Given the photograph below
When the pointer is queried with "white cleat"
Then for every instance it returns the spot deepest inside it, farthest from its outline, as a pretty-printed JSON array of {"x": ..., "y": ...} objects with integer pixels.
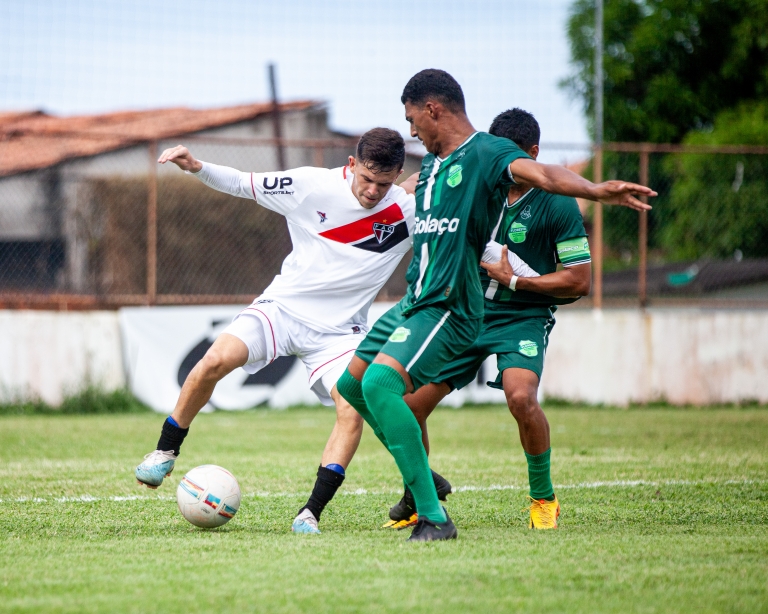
[
  {"x": 157, "y": 466},
  {"x": 305, "y": 522}
]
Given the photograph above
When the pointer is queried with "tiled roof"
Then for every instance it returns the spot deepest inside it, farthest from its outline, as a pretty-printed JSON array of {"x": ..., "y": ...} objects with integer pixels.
[{"x": 33, "y": 140}]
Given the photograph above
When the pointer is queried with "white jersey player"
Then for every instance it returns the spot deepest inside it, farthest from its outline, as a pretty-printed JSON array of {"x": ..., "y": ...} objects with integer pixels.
[{"x": 349, "y": 227}]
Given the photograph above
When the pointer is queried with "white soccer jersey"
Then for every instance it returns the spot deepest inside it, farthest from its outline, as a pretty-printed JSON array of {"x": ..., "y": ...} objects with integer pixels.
[{"x": 342, "y": 253}]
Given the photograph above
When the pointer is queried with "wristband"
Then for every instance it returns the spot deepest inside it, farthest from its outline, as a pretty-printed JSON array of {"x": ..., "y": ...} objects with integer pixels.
[{"x": 513, "y": 282}]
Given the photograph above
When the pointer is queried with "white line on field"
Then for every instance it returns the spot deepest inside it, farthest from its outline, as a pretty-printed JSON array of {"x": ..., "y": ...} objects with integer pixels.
[{"x": 363, "y": 491}]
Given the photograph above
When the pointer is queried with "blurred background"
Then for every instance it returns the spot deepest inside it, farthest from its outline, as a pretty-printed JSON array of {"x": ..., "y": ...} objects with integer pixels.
[
  {"x": 669, "y": 93},
  {"x": 91, "y": 91}
]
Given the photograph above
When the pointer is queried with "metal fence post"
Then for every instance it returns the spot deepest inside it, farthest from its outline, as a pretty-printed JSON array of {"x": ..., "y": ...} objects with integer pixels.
[
  {"x": 152, "y": 226},
  {"x": 597, "y": 234},
  {"x": 642, "y": 271}
]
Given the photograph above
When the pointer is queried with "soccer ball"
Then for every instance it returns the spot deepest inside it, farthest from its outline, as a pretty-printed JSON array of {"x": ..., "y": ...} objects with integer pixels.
[{"x": 208, "y": 496}]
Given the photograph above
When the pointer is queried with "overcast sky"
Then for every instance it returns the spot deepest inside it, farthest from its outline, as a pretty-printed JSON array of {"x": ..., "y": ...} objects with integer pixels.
[{"x": 91, "y": 56}]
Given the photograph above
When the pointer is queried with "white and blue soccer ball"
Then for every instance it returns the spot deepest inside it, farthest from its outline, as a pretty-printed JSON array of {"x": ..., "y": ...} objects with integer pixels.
[{"x": 208, "y": 496}]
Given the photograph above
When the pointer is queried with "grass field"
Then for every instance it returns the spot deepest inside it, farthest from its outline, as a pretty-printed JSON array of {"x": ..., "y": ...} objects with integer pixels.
[{"x": 663, "y": 511}]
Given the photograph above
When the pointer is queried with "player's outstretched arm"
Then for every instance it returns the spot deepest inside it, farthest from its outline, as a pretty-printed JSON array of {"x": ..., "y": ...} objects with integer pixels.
[
  {"x": 559, "y": 180},
  {"x": 221, "y": 178},
  {"x": 571, "y": 282}
]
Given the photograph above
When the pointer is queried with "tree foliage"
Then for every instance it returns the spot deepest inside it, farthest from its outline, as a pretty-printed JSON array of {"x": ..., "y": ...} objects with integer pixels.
[
  {"x": 670, "y": 65},
  {"x": 719, "y": 203}
]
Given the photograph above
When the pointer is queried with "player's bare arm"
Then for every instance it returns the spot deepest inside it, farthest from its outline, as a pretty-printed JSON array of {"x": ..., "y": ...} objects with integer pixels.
[
  {"x": 570, "y": 282},
  {"x": 559, "y": 180},
  {"x": 409, "y": 185},
  {"x": 182, "y": 158}
]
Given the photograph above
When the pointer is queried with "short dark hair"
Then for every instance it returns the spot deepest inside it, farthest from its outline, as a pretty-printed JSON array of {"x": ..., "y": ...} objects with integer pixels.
[
  {"x": 436, "y": 84},
  {"x": 382, "y": 150},
  {"x": 518, "y": 126}
]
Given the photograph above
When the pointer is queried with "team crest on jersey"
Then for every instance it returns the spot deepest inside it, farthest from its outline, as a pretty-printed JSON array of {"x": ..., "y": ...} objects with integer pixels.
[
  {"x": 517, "y": 232},
  {"x": 382, "y": 231},
  {"x": 322, "y": 215},
  {"x": 526, "y": 213},
  {"x": 454, "y": 175}
]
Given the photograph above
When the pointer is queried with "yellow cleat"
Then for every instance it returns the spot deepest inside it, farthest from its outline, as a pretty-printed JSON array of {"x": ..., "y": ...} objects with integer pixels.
[
  {"x": 544, "y": 513},
  {"x": 401, "y": 524}
]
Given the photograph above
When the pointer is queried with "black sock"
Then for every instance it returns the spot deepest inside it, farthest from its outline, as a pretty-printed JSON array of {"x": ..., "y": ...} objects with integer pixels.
[
  {"x": 326, "y": 485},
  {"x": 171, "y": 437}
]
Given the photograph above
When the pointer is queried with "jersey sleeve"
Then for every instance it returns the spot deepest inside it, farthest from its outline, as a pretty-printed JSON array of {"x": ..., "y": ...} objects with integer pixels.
[
  {"x": 277, "y": 191},
  {"x": 284, "y": 191},
  {"x": 496, "y": 155},
  {"x": 569, "y": 233}
]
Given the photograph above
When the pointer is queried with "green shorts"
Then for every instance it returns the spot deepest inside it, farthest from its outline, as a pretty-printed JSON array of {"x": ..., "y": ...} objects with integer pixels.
[
  {"x": 423, "y": 342},
  {"x": 518, "y": 337}
]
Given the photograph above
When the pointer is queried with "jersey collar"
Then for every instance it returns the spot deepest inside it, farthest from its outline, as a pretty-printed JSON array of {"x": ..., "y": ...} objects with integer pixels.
[
  {"x": 467, "y": 140},
  {"x": 518, "y": 201}
]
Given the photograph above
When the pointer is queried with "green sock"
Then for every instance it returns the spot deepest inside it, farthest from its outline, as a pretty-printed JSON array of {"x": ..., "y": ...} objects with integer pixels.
[
  {"x": 352, "y": 391},
  {"x": 384, "y": 388},
  {"x": 538, "y": 475}
]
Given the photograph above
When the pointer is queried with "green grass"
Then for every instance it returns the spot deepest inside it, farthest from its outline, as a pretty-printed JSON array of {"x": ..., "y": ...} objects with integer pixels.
[
  {"x": 90, "y": 400},
  {"x": 663, "y": 511}
]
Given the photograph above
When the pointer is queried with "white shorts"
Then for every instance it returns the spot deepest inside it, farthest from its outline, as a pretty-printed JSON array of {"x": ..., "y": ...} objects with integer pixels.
[{"x": 269, "y": 333}]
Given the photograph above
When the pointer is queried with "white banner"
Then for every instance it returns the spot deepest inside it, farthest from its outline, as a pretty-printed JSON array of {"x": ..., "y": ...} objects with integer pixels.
[{"x": 162, "y": 344}]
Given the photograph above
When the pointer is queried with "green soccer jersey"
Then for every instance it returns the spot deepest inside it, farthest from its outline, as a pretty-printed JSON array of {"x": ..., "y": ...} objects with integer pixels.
[
  {"x": 542, "y": 229},
  {"x": 457, "y": 206}
]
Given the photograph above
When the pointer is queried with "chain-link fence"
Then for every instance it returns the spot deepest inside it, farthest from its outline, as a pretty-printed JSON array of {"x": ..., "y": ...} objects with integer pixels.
[
  {"x": 119, "y": 229},
  {"x": 706, "y": 239}
]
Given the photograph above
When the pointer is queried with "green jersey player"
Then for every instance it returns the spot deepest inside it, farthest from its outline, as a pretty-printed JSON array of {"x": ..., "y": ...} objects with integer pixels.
[
  {"x": 457, "y": 207},
  {"x": 543, "y": 230}
]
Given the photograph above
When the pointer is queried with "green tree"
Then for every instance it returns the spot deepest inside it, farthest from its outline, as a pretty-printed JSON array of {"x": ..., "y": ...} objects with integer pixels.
[
  {"x": 670, "y": 65},
  {"x": 719, "y": 203}
]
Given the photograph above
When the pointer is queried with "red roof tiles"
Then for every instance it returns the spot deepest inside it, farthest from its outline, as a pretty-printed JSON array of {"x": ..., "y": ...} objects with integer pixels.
[{"x": 33, "y": 140}]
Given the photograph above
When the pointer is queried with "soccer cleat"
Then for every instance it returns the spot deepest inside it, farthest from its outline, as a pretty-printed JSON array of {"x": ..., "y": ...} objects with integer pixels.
[
  {"x": 403, "y": 513},
  {"x": 401, "y": 524},
  {"x": 157, "y": 466},
  {"x": 442, "y": 486},
  {"x": 305, "y": 522},
  {"x": 543, "y": 513},
  {"x": 403, "y": 510},
  {"x": 429, "y": 531}
]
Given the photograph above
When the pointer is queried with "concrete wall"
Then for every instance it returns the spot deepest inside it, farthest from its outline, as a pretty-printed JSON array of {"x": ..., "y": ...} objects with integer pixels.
[
  {"x": 614, "y": 357},
  {"x": 48, "y": 355},
  {"x": 681, "y": 356}
]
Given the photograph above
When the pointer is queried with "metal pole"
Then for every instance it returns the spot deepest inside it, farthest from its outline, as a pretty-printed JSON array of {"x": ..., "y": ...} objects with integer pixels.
[
  {"x": 597, "y": 231},
  {"x": 276, "y": 126},
  {"x": 152, "y": 226},
  {"x": 642, "y": 239}
]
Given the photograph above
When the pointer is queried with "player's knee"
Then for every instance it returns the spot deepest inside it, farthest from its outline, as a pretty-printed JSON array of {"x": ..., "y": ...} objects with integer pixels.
[
  {"x": 214, "y": 365},
  {"x": 348, "y": 418},
  {"x": 522, "y": 403}
]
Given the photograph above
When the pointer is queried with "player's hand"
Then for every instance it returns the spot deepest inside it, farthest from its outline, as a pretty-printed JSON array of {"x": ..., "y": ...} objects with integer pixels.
[
  {"x": 621, "y": 193},
  {"x": 181, "y": 157},
  {"x": 501, "y": 271}
]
